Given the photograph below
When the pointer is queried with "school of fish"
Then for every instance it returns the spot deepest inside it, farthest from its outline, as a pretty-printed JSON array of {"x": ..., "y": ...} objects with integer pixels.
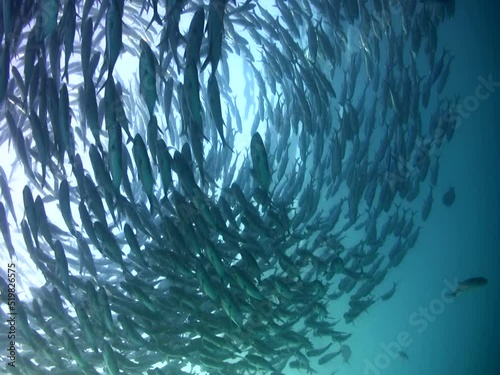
[{"x": 187, "y": 232}]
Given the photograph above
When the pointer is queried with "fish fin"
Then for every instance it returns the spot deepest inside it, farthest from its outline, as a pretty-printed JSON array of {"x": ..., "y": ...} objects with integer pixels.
[{"x": 157, "y": 18}]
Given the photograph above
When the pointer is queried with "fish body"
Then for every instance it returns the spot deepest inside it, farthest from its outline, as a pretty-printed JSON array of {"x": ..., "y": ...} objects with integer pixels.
[
  {"x": 215, "y": 106},
  {"x": 260, "y": 162},
  {"x": 113, "y": 126},
  {"x": 143, "y": 167},
  {"x": 113, "y": 35},
  {"x": 164, "y": 161},
  {"x": 195, "y": 37},
  {"x": 5, "y": 190},
  {"x": 67, "y": 32},
  {"x": 471, "y": 283},
  {"x": 147, "y": 76},
  {"x": 49, "y": 11},
  {"x": 215, "y": 28},
  {"x": 4, "y": 228},
  {"x": 449, "y": 197}
]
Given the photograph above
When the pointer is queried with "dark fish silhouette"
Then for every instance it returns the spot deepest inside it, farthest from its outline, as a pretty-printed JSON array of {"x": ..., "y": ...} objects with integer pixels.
[
  {"x": 472, "y": 283},
  {"x": 449, "y": 197}
]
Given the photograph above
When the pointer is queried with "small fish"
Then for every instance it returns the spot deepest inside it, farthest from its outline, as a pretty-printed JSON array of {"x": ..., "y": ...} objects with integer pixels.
[
  {"x": 260, "y": 162},
  {"x": 143, "y": 165},
  {"x": 110, "y": 360},
  {"x": 164, "y": 161},
  {"x": 449, "y": 197},
  {"x": 426, "y": 209},
  {"x": 389, "y": 293},
  {"x": 328, "y": 357},
  {"x": 86, "y": 48},
  {"x": 62, "y": 270},
  {"x": 215, "y": 29},
  {"x": 4, "y": 228},
  {"x": 147, "y": 76},
  {"x": 67, "y": 32},
  {"x": 194, "y": 37},
  {"x": 40, "y": 135},
  {"x": 471, "y": 283},
  {"x": 403, "y": 355},
  {"x": 64, "y": 123},
  {"x": 64, "y": 205},
  {"x": 114, "y": 133},
  {"x": 113, "y": 36},
  {"x": 215, "y": 106},
  {"x": 5, "y": 190},
  {"x": 346, "y": 353}
]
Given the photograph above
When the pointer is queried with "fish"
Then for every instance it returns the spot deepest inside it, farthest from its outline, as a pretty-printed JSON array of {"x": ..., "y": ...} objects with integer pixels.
[
  {"x": 64, "y": 205},
  {"x": 467, "y": 284},
  {"x": 113, "y": 126},
  {"x": 147, "y": 76},
  {"x": 427, "y": 206},
  {"x": 387, "y": 295},
  {"x": 164, "y": 161},
  {"x": 403, "y": 355},
  {"x": 195, "y": 37},
  {"x": 215, "y": 106},
  {"x": 144, "y": 169},
  {"x": 86, "y": 45},
  {"x": 67, "y": 33},
  {"x": 4, "y": 228},
  {"x": 215, "y": 30},
  {"x": 346, "y": 352},
  {"x": 64, "y": 124},
  {"x": 198, "y": 239},
  {"x": 113, "y": 35},
  {"x": 328, "y": 357},
  {"x": 260, "y": 170},
  {"x": 449, "y": 197},
  {"x": 6, "y": 195}
]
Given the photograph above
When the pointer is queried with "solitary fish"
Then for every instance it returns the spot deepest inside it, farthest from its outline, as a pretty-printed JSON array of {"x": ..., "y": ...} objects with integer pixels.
[
  {"x": 471, "y": 283},
  {"x": 404, "y": 355},
  {"x": 449, "y": 197}
]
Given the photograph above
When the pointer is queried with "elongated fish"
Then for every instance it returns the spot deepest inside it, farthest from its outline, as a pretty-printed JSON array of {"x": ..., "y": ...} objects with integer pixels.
[{"x": 471, "y": 283}]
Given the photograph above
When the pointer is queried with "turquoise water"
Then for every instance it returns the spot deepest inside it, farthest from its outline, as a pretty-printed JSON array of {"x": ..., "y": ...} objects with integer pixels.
[
  {"x": 456, "y": 242},
  {"x": 437, "y": 335}
]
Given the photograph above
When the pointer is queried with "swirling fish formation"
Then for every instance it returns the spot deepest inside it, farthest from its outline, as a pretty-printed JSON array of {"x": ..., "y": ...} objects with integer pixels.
[{"x": 170, "y": 237}]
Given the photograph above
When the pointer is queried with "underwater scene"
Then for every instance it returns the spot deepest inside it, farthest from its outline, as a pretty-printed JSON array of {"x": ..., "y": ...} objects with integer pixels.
[{"x": 240, "y": 187}]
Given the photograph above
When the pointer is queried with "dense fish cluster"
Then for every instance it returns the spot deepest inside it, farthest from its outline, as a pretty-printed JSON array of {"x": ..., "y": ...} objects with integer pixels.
[{"x": 172, "y": 238}]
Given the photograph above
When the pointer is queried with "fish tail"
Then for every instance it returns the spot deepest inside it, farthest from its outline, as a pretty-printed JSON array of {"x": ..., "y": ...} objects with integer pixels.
[
  {"x": 157, "y": 18},
  {"x": 103, "y": 86},
  {"x": 205, "y": 64},
  {"x": 65, "y": 74}
]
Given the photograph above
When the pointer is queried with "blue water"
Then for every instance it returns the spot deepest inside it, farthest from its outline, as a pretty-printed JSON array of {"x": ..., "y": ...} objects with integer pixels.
[
  {"x": 456, "y": 242},
  {"x": 441, "y": 336}
]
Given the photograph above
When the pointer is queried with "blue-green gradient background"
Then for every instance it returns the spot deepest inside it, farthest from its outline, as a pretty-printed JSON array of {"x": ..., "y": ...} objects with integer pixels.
[{"x": 456, "y": 242}]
